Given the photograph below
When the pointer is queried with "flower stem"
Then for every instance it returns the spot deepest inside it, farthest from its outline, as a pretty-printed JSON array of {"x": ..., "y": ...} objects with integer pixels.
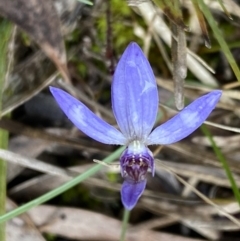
[
  {"x": 5, "y": 33},
  {"x": 126, "y": 216},
  {"x": 3, "y": 171},
  {"x": 224, "y": 163},
  {"x": 61, "y": 189}
]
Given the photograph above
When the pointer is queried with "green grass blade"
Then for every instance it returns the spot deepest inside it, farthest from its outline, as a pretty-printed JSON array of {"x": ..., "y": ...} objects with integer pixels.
[
  {"x": 3, "y": 178},
  {"x": 222, "y": 159},
  {"x": 202, "y": 23},
  {"x": 61, "y": 189},
  {"x": 219, "y": 37},
  {"x": 86, "y": 2},
  {"x": 224, "y": 9},
  {"x": 5, "y": 33},
  {"x": 126, "y": 216}
]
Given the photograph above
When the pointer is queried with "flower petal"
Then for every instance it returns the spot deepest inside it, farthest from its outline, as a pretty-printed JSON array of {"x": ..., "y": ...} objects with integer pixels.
[
  {"x": 131, "y": 192},
  {"x": 186, "y": 121},
  {"x": 134, "y": 94},
  {"x": 86, "y": 120}
]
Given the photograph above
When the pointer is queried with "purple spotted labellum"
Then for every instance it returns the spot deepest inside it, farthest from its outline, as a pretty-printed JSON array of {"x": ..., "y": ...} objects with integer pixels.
[{"x": 135, "y": 106}]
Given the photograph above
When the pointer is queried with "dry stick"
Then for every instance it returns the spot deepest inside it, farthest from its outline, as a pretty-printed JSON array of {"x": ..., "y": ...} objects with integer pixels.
[
  {"x": 223, "y": 127},
  {"x": 21, "y": 129},
  {"x": 210, "y": 233},
  {"x": 204, "y": 158},
  {"x": 212, "y": 175},
  {"x": 174, "y": 219},
  {"x": 195, "y": 217},
  {"x": 35, "y": 164},
  {"x": 50, "y": 169},
  {"x": 203, "y": 197},
  {"x": 165, "y": 84},
  {"x": 179, "y": 58},
  {"x": 29, "y": 95},
  {"x": 147, "y": 10},
  {"x": 154, "y": 223}
]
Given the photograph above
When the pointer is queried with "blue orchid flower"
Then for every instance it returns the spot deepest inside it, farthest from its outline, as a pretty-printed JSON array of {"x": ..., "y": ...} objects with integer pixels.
[{"x": 135, "y": 105}]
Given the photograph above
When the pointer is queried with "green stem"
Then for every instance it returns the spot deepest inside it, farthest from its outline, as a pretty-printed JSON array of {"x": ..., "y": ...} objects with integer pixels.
[
  {"x": 5, "y": 33},
  {"x": 61, "y": 189},
  {"x": 218, "y": 35},
  {"x": 3, "y": 171},
  {"x": 222, "y": 159},
  {"x": 126, "y": 216}
]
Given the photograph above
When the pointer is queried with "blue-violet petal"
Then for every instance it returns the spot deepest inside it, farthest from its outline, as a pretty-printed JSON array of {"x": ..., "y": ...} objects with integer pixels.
[
  {"x": 131, "y": 192},
  {"x": 86, "y": 120},
  {"x": 186, "y": 121},
  {"x": 134, "y": 94}
]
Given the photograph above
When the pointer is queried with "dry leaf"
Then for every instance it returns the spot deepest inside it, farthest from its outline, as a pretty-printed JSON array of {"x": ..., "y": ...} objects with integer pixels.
[
  {"x": 75, "y": 223},
  {"x": 86, "y": 225},
  {"x": 24, "y": 146},
  {"x": 179, "y": 59},
  {"x": 40, "y": 20},
  {"x": 21, "y": 228}
]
